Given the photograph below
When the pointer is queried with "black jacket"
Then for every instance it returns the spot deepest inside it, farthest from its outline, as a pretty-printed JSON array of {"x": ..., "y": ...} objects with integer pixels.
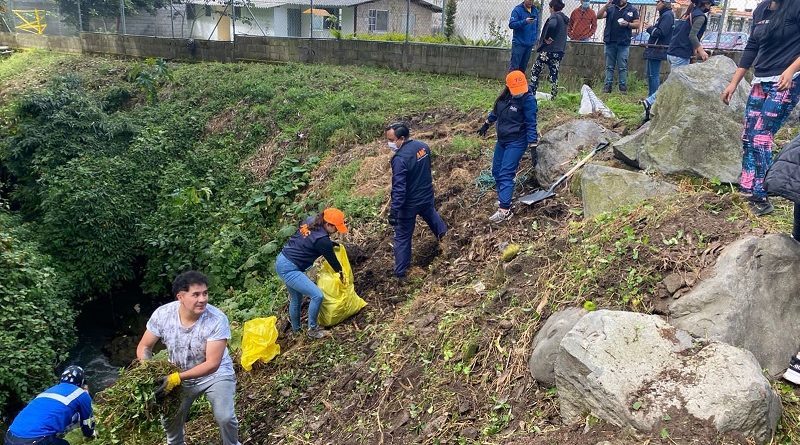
[
  {"x": 555, "y": 28},
  {"x": 771, "y": 58},
  {"x": 660, "y": 36},
  {"x": 412, "y": 182},
  {"x": 783, "y": 178}
]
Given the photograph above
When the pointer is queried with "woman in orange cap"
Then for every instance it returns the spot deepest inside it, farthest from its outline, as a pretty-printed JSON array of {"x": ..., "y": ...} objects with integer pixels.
[
  {"x": 515, "y": 115},
  {"x": 311, "y": 241}
]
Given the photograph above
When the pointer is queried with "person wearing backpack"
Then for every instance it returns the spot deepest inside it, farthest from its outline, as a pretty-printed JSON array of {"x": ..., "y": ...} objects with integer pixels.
[
  {"x": 686, "y": 36},
  {"x": 514, "y": 114},
  {"x": 660, "y": 36},
  {"x": 551, "y": 47},
  {"x": 773, "y": 51}
]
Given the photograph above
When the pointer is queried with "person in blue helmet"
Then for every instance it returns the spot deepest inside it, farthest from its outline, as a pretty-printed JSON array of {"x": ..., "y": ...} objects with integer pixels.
[
  {"x": 686, "y": 36},
  {"x": 524, "y": 22},
  {"x": 55, "y": 411},
  {"x": 412, "y": 194},
  {"x": 515, "y": 114}
]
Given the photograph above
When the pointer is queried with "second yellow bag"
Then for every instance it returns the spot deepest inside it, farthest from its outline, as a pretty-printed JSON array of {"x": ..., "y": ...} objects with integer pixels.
[
  {"x": 341, "y": 300},
  {"x": 258, "y": 341}
]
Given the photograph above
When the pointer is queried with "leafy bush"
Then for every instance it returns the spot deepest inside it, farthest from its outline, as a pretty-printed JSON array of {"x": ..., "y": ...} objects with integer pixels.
[{"x": 36, "y": 315}]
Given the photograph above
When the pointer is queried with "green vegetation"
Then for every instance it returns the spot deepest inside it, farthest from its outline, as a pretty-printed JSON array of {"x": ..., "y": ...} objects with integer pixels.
[{"x": 35, "y": 313}]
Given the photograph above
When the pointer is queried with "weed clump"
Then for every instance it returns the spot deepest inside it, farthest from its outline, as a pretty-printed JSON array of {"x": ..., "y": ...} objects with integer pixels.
[{"x": 128, "y": 411}]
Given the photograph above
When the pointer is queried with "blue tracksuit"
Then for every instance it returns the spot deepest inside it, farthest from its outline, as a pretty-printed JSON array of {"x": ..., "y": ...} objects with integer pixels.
[
  {"x": 516, "y": 128},
  {"x": 524, "y": 36},
  {"x": 412, "y": 195},
  {"x": 52, "y": 412}
]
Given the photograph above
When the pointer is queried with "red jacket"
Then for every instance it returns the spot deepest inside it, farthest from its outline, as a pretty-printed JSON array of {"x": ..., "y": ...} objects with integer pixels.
[{"x": 582, "y": 24}]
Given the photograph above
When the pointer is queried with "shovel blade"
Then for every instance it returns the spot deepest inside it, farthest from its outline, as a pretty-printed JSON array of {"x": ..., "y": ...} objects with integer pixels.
[{"x": 537, "y": 196}]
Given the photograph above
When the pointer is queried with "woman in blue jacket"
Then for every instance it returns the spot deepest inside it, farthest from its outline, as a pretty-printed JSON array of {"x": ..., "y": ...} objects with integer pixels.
[
  {"x": 514, "y": 113},
  {"x": 773, "y": 50},
  {"x": 311, "y": 241},
  {"x": 660, "y": 36}
]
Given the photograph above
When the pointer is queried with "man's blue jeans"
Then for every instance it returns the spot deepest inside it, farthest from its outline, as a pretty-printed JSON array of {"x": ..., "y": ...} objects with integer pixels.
[
  {"x": 298, "y": 284},
  {"x": 617, "y": 57},
  {"x": 653, "y": 75},
  {"x": 504, "y": 168},
  {"x": 520, "y": 56},
  {"x": 50, "y": 440},
  {"x": 404, "y": 231},
  {"x": 674, "y": 62}
]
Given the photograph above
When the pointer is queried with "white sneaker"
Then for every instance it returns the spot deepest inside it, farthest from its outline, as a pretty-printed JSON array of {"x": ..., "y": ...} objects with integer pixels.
[
  {"x": 501, "y": 215},
  {"x": 792, "y": 373}
]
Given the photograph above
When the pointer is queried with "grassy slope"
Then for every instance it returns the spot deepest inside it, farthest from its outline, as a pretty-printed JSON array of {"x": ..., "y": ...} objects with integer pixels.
[{"x": 444, "y": 359}]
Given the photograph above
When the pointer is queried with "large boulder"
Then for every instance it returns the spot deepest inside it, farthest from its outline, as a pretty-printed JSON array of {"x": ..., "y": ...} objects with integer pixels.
[
  {"x": 559, "y": 146},
  {"x": 547, "y": 341},
  {"x": 752, "y": 301},
  {"x": 692, "y": 131},
  {"x": 604, "y": 188},
  {"x": 633, "y": 370}
]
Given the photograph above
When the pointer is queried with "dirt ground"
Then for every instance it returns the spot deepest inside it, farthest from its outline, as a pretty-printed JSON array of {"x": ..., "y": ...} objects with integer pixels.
[{"x": 443, "y": 358}]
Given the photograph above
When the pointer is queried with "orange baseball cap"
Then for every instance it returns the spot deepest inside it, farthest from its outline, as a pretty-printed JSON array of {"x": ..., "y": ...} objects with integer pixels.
[
  {"x": 334, "y": 216},
  {"x": 516, "y": 82}
]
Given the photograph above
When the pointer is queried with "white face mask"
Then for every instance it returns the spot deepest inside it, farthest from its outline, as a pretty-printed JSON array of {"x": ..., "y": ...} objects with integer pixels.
[{"x": 393, "y": 146}]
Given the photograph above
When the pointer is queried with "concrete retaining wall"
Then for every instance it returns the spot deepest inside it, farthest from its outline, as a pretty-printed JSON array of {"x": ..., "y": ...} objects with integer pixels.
[{"x": 582, "y": 59}]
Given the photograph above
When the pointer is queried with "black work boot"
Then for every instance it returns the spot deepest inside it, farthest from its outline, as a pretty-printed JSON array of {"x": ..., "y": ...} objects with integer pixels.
[{"x": 760, "y": 206}]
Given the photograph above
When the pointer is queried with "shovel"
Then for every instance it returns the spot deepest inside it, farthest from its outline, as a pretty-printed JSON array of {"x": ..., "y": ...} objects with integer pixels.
[{"x": 541, "y": 195}]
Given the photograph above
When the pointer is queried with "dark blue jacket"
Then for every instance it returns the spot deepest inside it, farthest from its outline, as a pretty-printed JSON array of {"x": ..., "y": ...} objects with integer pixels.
[
  {"x": 516, "y": 118},
  {"x": 306, "y": 245},
  {"x": 681, "y": 46},
  {"x": 57, "y": 409},
  {"x": 412, "y": 183},
  {"x": 771, "y": 57},
  {"x": 660, "y": 36},
  {"x": 783, "y": 178},
  {"x": 613, "y": 33},
  {"x": 524, "y": 32},
  {"x": 554, "y": 28}
]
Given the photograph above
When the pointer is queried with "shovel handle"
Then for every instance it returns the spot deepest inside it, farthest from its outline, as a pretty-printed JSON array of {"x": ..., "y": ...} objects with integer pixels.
[{"x": 580, "y": 164}]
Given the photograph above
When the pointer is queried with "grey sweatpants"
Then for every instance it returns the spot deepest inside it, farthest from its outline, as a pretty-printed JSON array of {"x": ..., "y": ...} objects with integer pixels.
[{"x": 219, "y": 392}]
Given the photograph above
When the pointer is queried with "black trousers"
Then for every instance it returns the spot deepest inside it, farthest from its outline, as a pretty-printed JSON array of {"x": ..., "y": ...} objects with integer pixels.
[
  {"x": 796, "y": 228},
  {"x": 48, "y": 440}
]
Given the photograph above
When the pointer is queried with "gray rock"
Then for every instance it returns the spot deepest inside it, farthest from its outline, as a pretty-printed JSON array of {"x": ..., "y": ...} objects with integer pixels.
[
  {"x": 559, "y": 146},
  {"x": 752, "y": 301},
  {"x": 627, "y": 149},
  {"x": 673, "y": 282},
  {"x": 545, "y": 344},
  {"x": 692, "y": 131},
  {"x": 604, "y": 189},
  {"x": 631, "y": 369}
]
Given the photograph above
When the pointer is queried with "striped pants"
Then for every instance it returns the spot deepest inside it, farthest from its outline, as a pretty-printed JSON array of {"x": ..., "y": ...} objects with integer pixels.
[{"x": 766, "y": 112}]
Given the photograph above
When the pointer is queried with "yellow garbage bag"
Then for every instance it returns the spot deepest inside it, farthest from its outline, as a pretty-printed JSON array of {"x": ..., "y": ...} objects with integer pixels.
[
  {"x": 258, "y": 341},
  {"x": 341, "y": 300}
]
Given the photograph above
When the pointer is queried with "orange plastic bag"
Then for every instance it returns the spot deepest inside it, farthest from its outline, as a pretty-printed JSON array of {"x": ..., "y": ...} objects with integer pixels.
[
  {"x": 259, "y": 341},
  {"x": 341, "y": 300}
]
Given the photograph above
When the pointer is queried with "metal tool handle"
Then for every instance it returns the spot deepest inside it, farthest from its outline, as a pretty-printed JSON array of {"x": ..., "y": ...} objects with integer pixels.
[{"x": 580, "y": 164}]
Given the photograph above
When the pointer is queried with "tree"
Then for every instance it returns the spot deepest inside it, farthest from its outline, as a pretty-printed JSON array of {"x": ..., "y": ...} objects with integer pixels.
[
  {"x": 105, "y": 9},
  {"x": 450, "y": 19}
]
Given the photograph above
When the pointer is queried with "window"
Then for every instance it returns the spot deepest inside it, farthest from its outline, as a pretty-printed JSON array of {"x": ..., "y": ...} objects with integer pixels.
[
  {"x": 378, "y": 21},
  {"x": 317, "y": 22},
  {"x": 237, "y": 12},
  {"x": 191, "y": 11},
  {"x": 208, "y": 10}
]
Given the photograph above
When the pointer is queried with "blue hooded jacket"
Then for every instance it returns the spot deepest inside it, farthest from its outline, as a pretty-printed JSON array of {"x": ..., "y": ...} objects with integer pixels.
[
  {"x": 524, "y": 33},
  {"x": 516, "y": 118}
]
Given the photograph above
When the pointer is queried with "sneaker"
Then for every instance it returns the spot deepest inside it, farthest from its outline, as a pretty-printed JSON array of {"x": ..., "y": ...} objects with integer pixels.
[
  {"x": 606, "y": 88},
  {"x": 760, "y": 207},
  {"x": 792, "y": 373},
  {"x": 623, "y": 89},
  {"x": 317, "y": 333},
  {"x": 646, "y": 107},
  {"x": 500, "y": 215}
]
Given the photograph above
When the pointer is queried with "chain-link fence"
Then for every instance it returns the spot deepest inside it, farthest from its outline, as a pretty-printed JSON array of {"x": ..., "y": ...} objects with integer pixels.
[{"x": 465, "y": 22}]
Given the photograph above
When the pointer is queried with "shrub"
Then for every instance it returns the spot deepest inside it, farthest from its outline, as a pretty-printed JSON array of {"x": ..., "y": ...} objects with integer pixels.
[{"x": 36, "y": 315}]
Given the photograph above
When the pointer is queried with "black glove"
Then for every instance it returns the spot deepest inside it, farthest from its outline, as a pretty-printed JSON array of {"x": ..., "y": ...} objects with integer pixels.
[
  {"x": 532, "y": 147},
  {"x": 161, "y": 391},
  {"x": 392, "y": 219},
  {"x": 484, "y": 128}
]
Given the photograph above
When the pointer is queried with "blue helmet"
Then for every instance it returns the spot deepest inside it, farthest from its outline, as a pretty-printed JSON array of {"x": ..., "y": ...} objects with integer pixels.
[{"x": 73, "y": 374}]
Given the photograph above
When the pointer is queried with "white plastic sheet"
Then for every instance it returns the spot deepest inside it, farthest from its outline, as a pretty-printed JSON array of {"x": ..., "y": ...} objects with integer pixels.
[{"x": 591, "y": 104}]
